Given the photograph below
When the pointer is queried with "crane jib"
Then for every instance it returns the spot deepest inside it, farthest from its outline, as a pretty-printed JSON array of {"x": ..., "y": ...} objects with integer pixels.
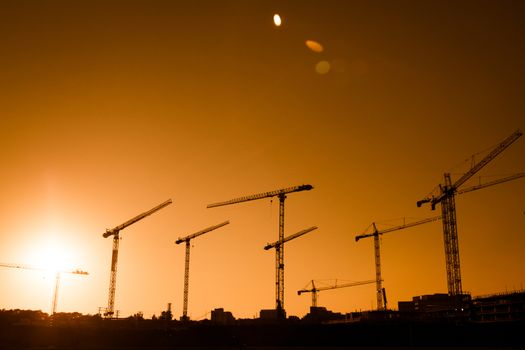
[
  {"x": 497, "y": 150},
  {"x": 139, "y": 217},
  {"x": 30, "y": 267},
  {"x": 453, "y": 188},
  {"x": 280, "y": 192},
  {"x": 201, "y": 232},
  {"x": 407, "y": 225},
  {"x": 289, "y": 238},
  {"x": 335, "y": 286}
]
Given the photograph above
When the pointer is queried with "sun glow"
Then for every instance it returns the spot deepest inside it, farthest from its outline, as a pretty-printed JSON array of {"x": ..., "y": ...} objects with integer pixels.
[{"x": 51, "y": 256}]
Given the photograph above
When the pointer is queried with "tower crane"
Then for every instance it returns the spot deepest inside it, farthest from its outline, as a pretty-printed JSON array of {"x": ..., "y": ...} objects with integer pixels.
[
  {"x": 446, "y": 196},
  {"x": 380, "y": 291},
  {"x": 187, "y": 239},
  {"x": 314, "y": 290},
  {"x": 58, "y": 274},
  {"x": 115, "y": 232},
  {"x": 279, "y": 265},
  {"x": 281, "y": 194}
]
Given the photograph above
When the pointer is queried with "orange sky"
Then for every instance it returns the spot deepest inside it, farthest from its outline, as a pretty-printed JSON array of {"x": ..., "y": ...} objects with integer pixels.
[{"x": 108, "y": 108}]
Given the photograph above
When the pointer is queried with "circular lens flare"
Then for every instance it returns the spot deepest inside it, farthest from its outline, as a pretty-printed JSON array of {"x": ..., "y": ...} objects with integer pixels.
[{"x": 322, "y": 67}]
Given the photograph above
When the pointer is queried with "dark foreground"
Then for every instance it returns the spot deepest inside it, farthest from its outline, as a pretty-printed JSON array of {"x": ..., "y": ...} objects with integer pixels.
[{"x": 109, "y": 334}]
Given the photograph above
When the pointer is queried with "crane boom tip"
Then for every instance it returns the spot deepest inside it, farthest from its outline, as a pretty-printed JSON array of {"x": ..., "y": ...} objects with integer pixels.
[{"x": 421, "y": 202}]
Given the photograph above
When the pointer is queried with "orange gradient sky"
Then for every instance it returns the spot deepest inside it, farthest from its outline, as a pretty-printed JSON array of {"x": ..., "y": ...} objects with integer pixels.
[{"x": 108, "y": 108}]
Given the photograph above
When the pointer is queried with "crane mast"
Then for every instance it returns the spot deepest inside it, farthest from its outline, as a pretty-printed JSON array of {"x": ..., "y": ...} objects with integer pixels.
[
  {"x": 58, "y": 274},
  {"x": 314, "y": 290},
  {"x": 279, "y": 262},
  {"x": 279, "y": 267},
  {"x": 450, "y": 238},
  {"x": 380, "y": 291},
  {"x": 281, "y": 194},
  {"x": 187, "y": 240},
  {"x": 446, "y": 197},
  {"x": 113, "y": 276},
  {"x": 379, "y": 277},
  {"x": 115, "y": 232}
]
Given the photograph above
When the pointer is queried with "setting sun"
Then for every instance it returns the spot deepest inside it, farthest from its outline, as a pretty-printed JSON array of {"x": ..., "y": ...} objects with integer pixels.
[{"x": 50, "y": 255}]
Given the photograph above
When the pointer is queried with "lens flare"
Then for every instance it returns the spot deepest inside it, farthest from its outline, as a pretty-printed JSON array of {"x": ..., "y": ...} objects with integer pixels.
[
  {"x": 314, "y": 46},
  {"x": 277, "y": 20},
  {"x": 322, "y": 67}
]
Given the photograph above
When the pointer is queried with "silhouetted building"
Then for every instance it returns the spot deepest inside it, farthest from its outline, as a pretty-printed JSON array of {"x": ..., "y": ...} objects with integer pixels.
[
  {"x": 222, "y": 317},
  {"x": 433, "y": 303},
  {"x": 271, "y": 314},
  {"x": 321, "y": 314},
  {"x": 436, "y": 305},
  {"x": 406, "y": 306},
  {"x": 377, "y": 316},
  {"x": 499, "y": 307}
]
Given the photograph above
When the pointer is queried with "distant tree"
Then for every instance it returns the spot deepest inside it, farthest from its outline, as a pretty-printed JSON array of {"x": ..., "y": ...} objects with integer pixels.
[
  {"x": 139, "y": 315},
  {"x": 23, "y": 316},
  {"x": 166, "y": 315}
]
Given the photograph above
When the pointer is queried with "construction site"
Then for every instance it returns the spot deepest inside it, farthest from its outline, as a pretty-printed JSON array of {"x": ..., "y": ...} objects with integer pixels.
[
  {"x": 262, "y": 174},
  {"x": 429, "y": 321},
  {"x": 448, "y": 319}
]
